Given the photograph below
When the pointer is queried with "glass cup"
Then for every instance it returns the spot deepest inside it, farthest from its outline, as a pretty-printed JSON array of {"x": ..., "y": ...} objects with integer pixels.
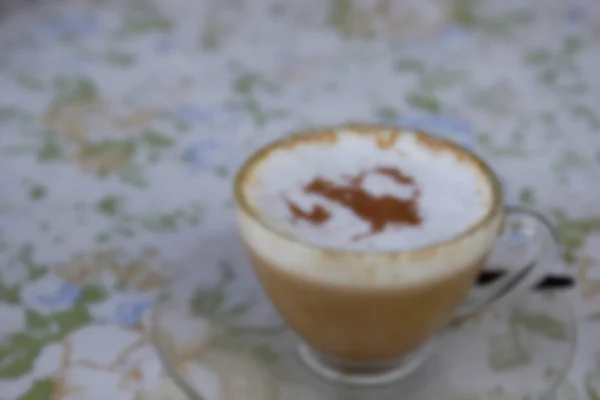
[{"x": 353, "y": 328}]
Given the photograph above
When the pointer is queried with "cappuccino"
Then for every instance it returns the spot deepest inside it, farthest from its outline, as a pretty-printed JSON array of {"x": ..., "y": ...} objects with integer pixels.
[
  {"x": 417, "y": 195},
  {"x": 355, "y": 192},
  {"x": 367, "y": 239}
]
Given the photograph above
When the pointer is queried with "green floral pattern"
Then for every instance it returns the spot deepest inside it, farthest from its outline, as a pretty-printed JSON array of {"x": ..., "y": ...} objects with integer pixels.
[{"x": 123, "y": 122}]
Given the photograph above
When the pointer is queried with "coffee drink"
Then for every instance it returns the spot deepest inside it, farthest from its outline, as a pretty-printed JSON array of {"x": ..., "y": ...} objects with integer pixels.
[{"x": 367, "y": 238}]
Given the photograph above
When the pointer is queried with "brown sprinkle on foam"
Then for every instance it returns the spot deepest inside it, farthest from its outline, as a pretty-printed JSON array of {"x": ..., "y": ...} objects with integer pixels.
[{"x": 378, "y": 211}]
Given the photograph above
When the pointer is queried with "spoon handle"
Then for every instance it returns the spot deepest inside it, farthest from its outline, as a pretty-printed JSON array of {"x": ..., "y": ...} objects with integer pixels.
[{"x": 548, "y": 282}]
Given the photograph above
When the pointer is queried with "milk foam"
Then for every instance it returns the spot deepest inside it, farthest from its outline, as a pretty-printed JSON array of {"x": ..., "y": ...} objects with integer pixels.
[
  {"x": 453, "y": 192},
  {"x": 454, "y": 195}
]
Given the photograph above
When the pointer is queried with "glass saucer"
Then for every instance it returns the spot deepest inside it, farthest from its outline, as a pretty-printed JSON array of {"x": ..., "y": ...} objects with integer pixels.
[{"x": 220, "y": 339}]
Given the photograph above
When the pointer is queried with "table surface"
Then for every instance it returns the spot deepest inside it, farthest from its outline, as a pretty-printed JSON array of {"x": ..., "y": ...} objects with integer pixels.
[{"x": 123, "y": 121}]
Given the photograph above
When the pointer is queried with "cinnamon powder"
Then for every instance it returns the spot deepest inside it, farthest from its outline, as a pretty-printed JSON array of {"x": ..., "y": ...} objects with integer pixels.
[{"x": 378, "y": 211}]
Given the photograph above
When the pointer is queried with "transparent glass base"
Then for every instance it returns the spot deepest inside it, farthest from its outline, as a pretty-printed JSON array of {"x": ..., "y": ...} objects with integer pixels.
[
  {"x": 363, "y": 374},
  {"x": 220, "y": 338},
  {"x": 520, "y": 349}
]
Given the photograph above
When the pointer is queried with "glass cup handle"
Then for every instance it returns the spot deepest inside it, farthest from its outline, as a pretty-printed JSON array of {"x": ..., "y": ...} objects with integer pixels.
[{"x": 528, "y": 239}]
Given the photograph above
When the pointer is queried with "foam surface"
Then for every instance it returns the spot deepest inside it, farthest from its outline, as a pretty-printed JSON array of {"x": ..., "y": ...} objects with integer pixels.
[{"x": 450, "y": 193}]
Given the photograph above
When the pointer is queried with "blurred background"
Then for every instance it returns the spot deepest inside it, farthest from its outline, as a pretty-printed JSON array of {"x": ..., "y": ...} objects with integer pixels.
[{"x": 122, "y": 123}]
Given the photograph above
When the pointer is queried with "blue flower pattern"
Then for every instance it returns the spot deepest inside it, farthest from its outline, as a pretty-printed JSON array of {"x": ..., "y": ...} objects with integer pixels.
[
  {"x": 163, "y": 45},
  {"x": 218, "y": 118},
  {"x": 452, "y": 31},
  {"x": 197, "y": 153},
  {"x": 50, "y": 293},
  {"x": 67, "y": 295},
  {"x": 122, "y": 308},
  {"x": 130, "y": 313},
  {"x": 80, "y": 24},
  {"x": 575, "y": 14},
  {"x": 194, "y": 115}
]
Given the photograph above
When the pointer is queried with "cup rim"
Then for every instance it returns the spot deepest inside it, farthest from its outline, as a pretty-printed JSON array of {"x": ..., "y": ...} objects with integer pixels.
[{"x": 242, "y": 202}]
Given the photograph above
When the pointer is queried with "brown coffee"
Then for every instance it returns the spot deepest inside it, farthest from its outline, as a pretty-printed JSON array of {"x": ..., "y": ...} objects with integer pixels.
[{"x": 366, "y": 259}]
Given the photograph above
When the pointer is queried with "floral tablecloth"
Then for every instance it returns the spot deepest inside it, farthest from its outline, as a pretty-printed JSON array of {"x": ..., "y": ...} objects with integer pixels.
[{"x": 122, "y": 122}]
